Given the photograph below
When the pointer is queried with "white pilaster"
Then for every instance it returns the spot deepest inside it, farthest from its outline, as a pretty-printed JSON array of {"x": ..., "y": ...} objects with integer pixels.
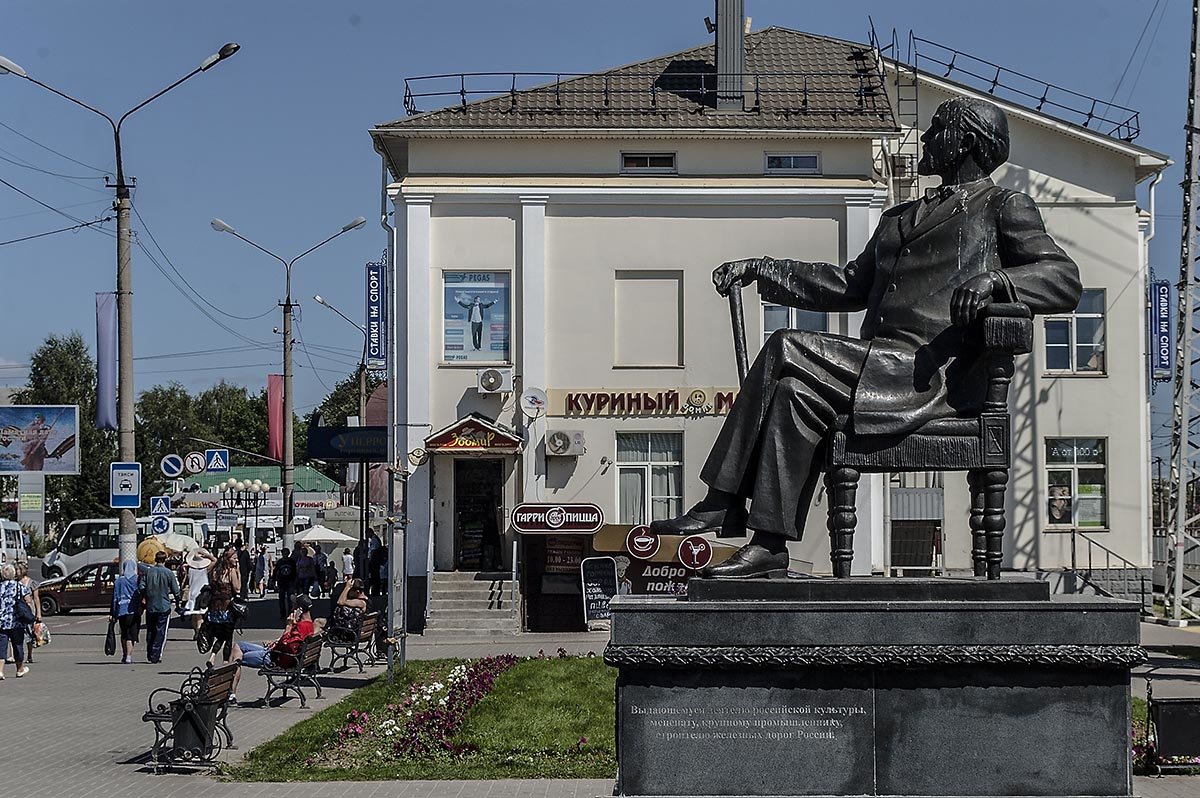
[
  {"x": 870, "y": 539},
  {"x": 531, "y": 365},
  {"x": 1146, "y": 549},
  {"x": 413, "y": 332}
]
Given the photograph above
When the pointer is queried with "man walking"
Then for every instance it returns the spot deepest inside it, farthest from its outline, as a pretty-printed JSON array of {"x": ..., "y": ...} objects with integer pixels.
[
  {"x": 244, "y": 566},
  {"x": 285, "y": 575},
  {"x": 161, "y": 587}
]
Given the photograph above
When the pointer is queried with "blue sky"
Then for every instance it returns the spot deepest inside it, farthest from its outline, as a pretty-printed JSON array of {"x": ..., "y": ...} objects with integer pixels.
[{"x": 274, "y": 141}]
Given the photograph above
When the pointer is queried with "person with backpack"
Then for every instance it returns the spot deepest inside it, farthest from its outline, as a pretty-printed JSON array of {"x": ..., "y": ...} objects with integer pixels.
[{"x": 285, "y": 576}]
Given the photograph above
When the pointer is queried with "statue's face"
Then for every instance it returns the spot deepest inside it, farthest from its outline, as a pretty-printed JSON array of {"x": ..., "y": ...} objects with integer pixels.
[{"x": 944, "y": 146}]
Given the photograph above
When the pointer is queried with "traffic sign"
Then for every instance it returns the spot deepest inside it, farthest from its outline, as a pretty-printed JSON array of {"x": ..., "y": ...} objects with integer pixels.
[
  {"x": 194, "y": 462},
  {"x": 695, "y": 552},
  {"x": 159, "y": 525},
  {"x": 172, "y": 466},
  {"x": 642, "y": 543},
  {"x": 216, "y": 460},
  {"x": 125, "y": 486},
  {"x": 160, "y": 505}
]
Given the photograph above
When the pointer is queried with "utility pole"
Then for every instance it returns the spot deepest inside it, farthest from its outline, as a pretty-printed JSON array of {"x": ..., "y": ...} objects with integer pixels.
[
  {"x": 1187, "y": 347},
  {"x": 122, "y": 205}
]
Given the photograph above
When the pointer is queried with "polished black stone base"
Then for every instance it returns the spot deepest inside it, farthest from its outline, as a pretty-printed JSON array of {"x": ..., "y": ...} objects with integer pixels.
[{"x": 990, "y": 694}]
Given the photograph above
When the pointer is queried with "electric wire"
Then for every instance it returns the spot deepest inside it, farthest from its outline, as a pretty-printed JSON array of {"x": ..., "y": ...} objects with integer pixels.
[
  {"x": 50, "y": 207},
  {"x": 1145, "y": 57},
  {"x": 1133, "y": 55},
  {"x": 300, "y": 335},
  {"x": 198, "y": 352},
  {"x": 51, "y": 149},
  {"x": 54, "y": 232},
  {"x": 64, "y": 207},
  {"x": 17, "y": 161}
]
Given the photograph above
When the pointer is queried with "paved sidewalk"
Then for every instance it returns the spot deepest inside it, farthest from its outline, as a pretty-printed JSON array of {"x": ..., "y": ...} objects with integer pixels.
[{"x": 73, "y": 725}]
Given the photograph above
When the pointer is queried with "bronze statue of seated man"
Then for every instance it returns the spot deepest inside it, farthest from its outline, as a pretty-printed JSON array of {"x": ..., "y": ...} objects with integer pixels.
[{"x": 929, "y": 269}]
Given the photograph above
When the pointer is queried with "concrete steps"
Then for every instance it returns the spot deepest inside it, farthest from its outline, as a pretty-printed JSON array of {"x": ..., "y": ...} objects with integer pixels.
[{"x": 472, "y": 604}]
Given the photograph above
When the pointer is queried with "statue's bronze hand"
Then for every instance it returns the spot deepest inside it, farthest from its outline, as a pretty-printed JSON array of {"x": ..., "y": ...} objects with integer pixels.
[
  {"x": 734, "y": 274},
  {"x": 971, "y": 297}
]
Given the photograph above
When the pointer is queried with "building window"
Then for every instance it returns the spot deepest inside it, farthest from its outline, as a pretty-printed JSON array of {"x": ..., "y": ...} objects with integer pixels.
[
  {"x": 793, "y": 163},
  {"x": 475, "y": 317},
  {"x": 1076, "y": 483},
  {"x": 648, "y": 322},
  {"x": 648, "y": 162},
  {"x": 781, "y": 317},
  {"x": 649, "y": 476},
  {"x": 1075, "y": 341}
]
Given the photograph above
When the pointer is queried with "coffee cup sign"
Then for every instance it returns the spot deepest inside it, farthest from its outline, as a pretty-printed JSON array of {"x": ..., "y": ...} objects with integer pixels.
[
  {"x": 556, "y": 519},
  {"x": 642, "y": 543}
]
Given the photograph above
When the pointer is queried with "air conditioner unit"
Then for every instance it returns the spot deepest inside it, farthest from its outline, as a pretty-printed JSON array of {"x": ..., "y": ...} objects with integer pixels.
[
  {"x": 494, "y": 380},
  {"x": 565, "y": 443}
]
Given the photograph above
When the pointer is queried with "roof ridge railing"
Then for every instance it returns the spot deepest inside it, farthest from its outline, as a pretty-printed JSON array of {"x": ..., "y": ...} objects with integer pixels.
[
  {"x": 860, "y": 91},
  {"x": 1105, "y": 117}
]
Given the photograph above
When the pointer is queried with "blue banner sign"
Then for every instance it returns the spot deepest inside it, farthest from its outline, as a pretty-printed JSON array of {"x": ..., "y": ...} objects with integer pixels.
[
  {"x": 377, "y": 344},
  {"x": 1161, "y": 347}
]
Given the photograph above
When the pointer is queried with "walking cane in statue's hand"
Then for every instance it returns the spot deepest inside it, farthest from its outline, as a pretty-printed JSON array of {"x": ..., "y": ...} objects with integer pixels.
[{"x": 739, "y": 330}]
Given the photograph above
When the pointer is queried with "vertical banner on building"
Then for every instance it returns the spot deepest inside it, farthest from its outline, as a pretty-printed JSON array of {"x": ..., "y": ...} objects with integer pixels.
[
  {"x": 275, "y": 416},
  {"x": 1161, "y": 348},
  {"x": 376, "y": 317},
  {"x": 106, "y": 360}
]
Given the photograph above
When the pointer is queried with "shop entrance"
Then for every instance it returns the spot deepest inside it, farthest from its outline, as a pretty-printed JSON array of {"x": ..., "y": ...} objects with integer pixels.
[{"x": 478, "y": 510}]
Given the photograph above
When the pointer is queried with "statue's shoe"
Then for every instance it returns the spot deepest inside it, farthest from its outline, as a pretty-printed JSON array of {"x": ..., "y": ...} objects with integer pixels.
[
  {"x": 749, "y": 562},
  {"x": 697, "y": 522}
]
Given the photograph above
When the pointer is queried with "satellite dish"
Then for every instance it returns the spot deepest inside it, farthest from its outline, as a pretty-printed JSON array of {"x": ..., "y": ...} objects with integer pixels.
[{"x": 534, "y": 402}]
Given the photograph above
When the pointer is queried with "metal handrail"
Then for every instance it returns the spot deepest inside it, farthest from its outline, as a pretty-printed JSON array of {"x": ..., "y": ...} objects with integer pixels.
[
  {"x": 512, "y": 585},
  {"x": 1124, "y": 565}
]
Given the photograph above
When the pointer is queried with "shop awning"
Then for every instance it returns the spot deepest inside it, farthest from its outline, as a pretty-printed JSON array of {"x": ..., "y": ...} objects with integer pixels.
[{"x": 474, "y": 433}]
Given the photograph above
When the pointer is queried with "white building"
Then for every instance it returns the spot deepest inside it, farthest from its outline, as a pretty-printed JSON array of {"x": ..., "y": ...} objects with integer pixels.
[{"x": 587, "y": 216}]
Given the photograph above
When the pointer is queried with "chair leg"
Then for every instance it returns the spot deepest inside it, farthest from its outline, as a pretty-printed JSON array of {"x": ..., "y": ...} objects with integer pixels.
[
  {"x": 995, "y": 482},
  {"x": 841, "y": 483},
  {"x": 978, "y": 539}
]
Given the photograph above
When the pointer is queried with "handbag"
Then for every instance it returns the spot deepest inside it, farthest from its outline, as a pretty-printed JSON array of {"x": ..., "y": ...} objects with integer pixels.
[
  {"x": 238, "y": 610},
  {"x": 110, "y": 639},
  {"x": 23, "y": 614},
  {"x": 203, "y": 598}
]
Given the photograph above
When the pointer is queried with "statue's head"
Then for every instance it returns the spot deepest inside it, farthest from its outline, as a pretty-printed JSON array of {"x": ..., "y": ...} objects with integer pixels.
[{"x": 964, "y": 132}]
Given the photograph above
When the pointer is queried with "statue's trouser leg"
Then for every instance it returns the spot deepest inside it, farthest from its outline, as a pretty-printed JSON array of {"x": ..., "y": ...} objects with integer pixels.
[{"x": 796, "y": 388}]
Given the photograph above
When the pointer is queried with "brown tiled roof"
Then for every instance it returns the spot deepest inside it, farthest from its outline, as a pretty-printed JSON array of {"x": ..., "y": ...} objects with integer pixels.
[{"x": 794, "y": 81}]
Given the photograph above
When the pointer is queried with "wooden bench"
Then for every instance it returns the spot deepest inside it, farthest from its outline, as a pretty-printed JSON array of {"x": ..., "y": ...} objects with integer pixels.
[
  {"x": 363, "y": 646},
  {"x": 189, "y": 723},
  {"x": 285, "y": 680}
]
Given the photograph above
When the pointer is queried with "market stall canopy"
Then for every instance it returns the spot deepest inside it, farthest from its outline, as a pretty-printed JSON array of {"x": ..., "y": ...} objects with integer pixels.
[
  {"x": 474, "y": 433},
  {"x": 323, "y": 534}
]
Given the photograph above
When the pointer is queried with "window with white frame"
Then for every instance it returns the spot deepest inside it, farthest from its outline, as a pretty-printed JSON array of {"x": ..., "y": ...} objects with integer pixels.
[
  {"x": 649, "y": 476},
  {"x": 648, "y": 162},
  {"x": 1075, "y": 341},
  {"x": 793, "y": 163},
  {"x": 781, "y": 317},
  {"x": 1077, "y": 483}
]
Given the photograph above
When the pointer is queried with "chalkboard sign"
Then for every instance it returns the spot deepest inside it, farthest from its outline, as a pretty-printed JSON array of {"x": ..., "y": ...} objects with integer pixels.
[{"x": 599, "y": 586}]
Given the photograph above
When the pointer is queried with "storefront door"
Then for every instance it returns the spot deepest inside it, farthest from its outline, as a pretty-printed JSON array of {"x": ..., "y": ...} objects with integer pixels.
[{"x": 478, "y": 510}]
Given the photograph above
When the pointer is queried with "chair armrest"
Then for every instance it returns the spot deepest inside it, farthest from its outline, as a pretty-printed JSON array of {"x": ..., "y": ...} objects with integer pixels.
[{"x": 1008, "y": 328}]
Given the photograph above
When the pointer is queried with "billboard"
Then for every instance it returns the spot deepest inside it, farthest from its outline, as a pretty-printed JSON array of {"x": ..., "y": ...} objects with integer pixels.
[
  {"x": 475, "y": 317},
  {"x": 39, "y": 439}
]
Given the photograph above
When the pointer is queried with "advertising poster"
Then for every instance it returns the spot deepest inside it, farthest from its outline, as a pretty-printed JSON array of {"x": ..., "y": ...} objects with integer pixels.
[
  {"x": 39, "y": 439},
  {"x": 475, "y": 319}
]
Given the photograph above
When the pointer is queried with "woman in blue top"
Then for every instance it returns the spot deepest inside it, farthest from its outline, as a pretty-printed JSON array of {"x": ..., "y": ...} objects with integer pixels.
[
  {"x": 127, "y": 608},
  {"x": 12, "y": 591}
]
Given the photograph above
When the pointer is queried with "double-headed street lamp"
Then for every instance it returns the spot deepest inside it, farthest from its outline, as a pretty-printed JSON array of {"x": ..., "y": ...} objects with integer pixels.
[
  {"x": 288, "y": 453},
  {"x": 125, "y": 419},
  {"x": 362, "y": 409},
  {"x": 238, "y": 493}
]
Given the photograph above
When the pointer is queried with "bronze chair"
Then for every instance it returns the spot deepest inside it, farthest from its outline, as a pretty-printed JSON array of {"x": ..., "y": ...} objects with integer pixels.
[{"x": 980, "y": 446}]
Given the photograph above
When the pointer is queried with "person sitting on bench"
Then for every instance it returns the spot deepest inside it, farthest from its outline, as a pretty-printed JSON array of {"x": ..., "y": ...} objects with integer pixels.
[
  {"x": 281, "y": 652},
  {"x": 349, "y": 611}
]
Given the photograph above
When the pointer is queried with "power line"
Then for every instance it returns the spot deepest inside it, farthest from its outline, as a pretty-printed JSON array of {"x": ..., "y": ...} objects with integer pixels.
[
  {"x": 1132, "y": 55},
  {"x": 51, "y": 149},
  {"x": 1145, "y": 57},
  {"x": 208, "y": 368},
  {"x": 45, "y": 205},
  {"x": 16, "y": 161},
  {"x": 308, "y": 354},
  {"x": 185, "y": 280},
  {"x": 53, "y": 232},
  {"x": 64, "y": 207},
  {"x": 199, "y": 352}
]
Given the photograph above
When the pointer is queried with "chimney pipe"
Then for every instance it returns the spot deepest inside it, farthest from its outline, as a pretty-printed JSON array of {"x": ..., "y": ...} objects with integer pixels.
[{"x": 731, "y": 54}]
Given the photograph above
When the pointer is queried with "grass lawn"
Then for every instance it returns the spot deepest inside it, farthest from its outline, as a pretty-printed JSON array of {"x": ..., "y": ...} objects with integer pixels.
[{"x": 544, "y": 718}]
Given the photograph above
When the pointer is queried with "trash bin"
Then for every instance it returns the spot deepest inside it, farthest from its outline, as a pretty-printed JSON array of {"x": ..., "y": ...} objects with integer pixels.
[{"x": 192, "y": 723}]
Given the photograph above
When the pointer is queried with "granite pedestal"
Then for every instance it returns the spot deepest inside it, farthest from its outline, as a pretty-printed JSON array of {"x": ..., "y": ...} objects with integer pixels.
[{"x": 873, "y": 687}]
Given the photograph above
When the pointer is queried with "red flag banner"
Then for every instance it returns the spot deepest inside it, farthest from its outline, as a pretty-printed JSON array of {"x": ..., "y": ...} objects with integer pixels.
[{"x": 275, "y": 416}]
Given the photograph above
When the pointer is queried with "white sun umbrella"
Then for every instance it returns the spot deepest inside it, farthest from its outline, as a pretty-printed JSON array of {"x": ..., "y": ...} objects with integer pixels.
[{"x": 323, "y": 534}]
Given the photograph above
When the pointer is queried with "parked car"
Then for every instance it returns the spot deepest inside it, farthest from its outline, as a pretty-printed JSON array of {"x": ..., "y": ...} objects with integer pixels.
[{"x": 89, "y": 588}]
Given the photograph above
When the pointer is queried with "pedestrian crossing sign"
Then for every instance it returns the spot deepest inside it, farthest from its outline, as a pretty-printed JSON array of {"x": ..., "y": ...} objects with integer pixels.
[
  {"x": 216, "y": 459},
  {"x": 160, "y": 505}
]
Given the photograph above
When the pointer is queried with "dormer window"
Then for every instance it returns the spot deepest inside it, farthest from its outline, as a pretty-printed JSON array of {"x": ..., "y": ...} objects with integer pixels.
[{"x": 657, "y": 163}]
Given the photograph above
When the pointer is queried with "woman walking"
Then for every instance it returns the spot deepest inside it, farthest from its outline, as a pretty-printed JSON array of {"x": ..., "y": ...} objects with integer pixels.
[
  {"x": 196, "y": 579},
  {"x": 12, "y": 630},
  {"x": 260, "y": 571},
  {"x": 30, "y": 638},
  {"x": 225, "y": 582},
  {"x": 127, "y": 608}
]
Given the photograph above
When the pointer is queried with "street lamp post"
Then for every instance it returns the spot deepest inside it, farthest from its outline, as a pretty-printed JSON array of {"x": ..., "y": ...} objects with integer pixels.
[
  {"x": 288, "y": 453},
  {"x": 236, "y": 493},
  {"x": 125, "y": 420},
  {"x": 362, "y": 413}
]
